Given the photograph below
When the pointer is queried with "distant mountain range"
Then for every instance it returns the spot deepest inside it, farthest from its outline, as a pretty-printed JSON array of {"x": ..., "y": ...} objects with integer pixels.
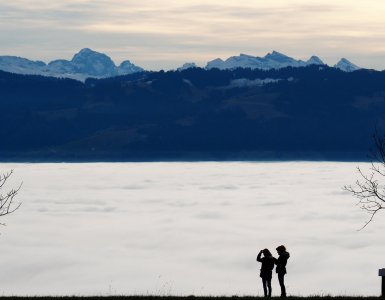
[
  {"x": 91, "y": 64},
  {"x": 274, "y": 60},
  {"x": 85, "y": 64}
]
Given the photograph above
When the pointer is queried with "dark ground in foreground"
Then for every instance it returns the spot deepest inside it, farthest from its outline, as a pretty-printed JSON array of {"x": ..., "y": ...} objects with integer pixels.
[{"x": 184, "y": 297}]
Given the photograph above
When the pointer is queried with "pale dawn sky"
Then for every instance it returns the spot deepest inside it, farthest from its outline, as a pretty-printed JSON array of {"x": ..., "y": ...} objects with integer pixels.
[{"x": 163, "y": 34}]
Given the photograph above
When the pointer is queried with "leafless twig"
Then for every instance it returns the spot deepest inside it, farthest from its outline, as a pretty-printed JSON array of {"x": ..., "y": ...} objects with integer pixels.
[
  {"x": 370, "y": 187},
  {"x": 7, "y": 205}
]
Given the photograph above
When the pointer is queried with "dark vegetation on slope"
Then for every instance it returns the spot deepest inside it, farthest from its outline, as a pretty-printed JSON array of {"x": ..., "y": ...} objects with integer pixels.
[{"x": 307, "y": 113}]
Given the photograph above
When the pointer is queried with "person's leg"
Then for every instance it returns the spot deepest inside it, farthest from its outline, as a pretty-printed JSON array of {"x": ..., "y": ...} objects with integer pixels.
[
  {"x": 269, "y": 286},
  {"x": 281, "y": 279},
  {"x": 264, "y": 283}
]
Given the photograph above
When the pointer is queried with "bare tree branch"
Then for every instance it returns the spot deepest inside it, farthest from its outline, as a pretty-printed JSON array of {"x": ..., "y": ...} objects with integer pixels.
[
  {"x": 7, "y": 204},
  {"x": 370, "y": 187}
]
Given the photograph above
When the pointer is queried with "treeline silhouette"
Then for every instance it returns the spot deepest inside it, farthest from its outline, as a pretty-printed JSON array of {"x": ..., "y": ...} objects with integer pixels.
[{"x": 298, "y": 113}]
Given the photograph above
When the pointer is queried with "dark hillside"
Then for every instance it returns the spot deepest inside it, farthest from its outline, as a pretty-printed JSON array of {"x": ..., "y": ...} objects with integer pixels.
[{"x": 292, "y": 113}]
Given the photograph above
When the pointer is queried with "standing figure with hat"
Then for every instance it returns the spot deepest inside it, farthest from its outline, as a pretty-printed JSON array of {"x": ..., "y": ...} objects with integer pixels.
[{"x": 281, "y": 262}]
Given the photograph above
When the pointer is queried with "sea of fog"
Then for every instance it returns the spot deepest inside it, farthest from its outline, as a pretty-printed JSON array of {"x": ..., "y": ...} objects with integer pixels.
[{"x": 186, "y": 228}]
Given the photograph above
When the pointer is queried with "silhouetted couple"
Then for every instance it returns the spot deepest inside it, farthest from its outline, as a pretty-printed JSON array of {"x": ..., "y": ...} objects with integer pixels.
[{"x": 268, "y": 262}]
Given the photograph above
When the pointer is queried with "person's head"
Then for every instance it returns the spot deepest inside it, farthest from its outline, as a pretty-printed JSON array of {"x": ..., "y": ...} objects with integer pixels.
[
  {"x": 281, "y": 249},
  {"x": 266, "y": 252}
]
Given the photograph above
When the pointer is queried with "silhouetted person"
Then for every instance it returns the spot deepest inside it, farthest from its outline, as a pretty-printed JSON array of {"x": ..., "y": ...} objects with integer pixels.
[
  {"x": 266, "y": 270},
  {"x": 281, "y": 262}
]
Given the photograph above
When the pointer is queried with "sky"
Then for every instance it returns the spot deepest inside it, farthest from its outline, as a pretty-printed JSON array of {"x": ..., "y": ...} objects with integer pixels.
[
  {"x": 163, "y": 34},
  {"x": 187, "y": 229}
]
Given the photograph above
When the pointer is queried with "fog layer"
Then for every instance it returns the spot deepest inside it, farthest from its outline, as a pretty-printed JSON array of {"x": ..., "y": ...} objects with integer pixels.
[{"x": 186, "y": 228}]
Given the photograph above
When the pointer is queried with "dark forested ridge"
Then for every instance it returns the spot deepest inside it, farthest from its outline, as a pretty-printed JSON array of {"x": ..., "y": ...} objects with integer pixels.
[{"x": 293, "y": 113}]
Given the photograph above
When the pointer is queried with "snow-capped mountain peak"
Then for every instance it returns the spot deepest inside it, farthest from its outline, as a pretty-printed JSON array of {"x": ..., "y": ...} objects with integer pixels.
[
  {"x": 187, "y": 66},
  {"x": 215, "y": 64},
  {"x": 127, "y": 67},
  {"x": 314, "y": 60},
  {"x": 346, "y": 66},
  {"x": 85, "y": 52},
  {"x": 93, "y": 63},
  {"x": 279, "y": 57},
  {"x": 243, "y": 55}
]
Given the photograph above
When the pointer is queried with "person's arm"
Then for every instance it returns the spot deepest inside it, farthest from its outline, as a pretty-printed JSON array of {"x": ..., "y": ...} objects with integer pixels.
[{"x": 259, "y": 256}]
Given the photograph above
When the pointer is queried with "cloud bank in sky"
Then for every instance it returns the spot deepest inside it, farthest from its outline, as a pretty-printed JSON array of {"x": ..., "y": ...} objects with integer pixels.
[{"x": 165, "y": 34}]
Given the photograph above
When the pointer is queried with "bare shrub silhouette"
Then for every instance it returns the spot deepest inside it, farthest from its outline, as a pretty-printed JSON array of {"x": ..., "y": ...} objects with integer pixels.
[
  {"x": 7, "y": 204},
  {"x": 370, "y": 187}
]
